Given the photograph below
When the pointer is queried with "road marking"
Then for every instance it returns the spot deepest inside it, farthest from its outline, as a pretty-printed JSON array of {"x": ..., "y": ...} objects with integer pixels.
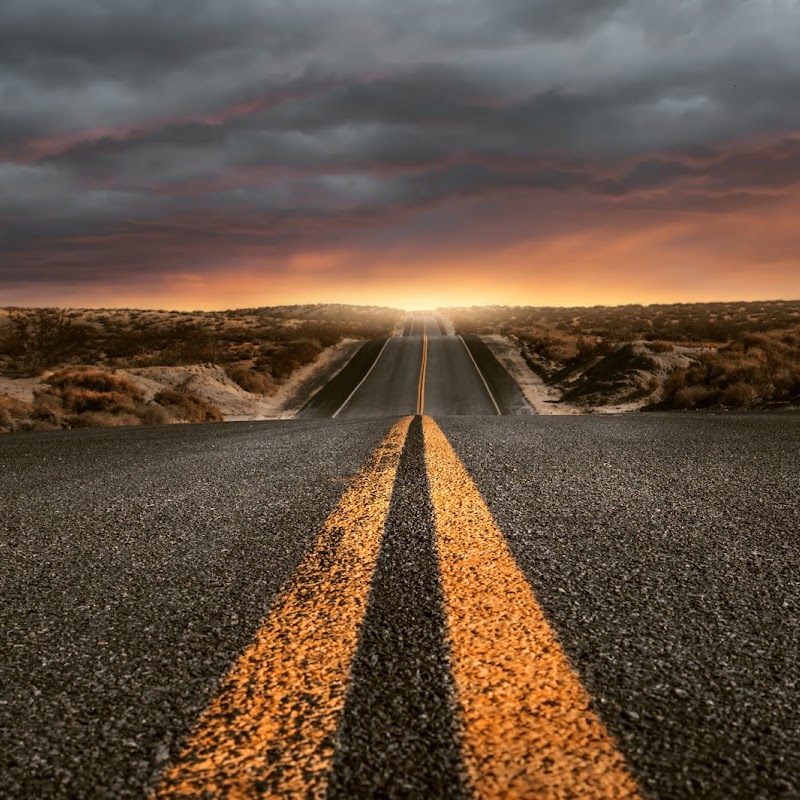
[
  {"x": 526, "y": 723},
  {"x": 423, "y": 373},
  {"x": 270, "y": 730},
  {"x": 350, "y": 396},
  {"x": 478, "y": 370}
]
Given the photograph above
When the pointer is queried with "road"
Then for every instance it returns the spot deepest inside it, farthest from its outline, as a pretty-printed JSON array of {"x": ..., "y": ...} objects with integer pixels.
[
  {"x": 421, "y": 372},
  {"x": 403, "y": 606}
]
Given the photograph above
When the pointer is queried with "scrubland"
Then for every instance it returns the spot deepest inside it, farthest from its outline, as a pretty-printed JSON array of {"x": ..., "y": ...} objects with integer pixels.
[
  {"x": 681, "y": 356},
  {"x": 80, "y": 367}
]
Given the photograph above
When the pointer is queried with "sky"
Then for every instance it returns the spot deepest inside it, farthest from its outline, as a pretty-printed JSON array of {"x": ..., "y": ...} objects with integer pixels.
[{"x": 203, "y": 154}]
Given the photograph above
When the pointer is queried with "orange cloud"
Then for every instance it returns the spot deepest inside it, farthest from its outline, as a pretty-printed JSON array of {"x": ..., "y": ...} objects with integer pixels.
[{"x": 714, "y": 226}]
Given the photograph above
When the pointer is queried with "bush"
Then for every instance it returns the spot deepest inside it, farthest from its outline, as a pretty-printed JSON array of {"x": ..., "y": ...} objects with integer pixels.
[
  {"x": 187, "y": 407},
  {"x": 48, "y": 408},
  {"x": 251, "y": 380},
  {"x": 13, "y": 412},
  {"x": 91, "y": 379},
  {"x": 40, "y": 338},
  {"x": 738, "y": 395},
  {"x": 85, "y": 389},
  {"x": 154, "y": 414},
  {"x": 285, "y": 359},
  {"x": 693, "y": 397},
  {"x": 755, "y": 369}
]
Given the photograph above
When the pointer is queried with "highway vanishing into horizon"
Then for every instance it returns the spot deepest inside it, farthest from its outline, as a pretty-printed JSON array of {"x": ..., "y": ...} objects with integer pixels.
[
  {"x": 423, "y": 371},
  {"x": 416, "y": 589}
]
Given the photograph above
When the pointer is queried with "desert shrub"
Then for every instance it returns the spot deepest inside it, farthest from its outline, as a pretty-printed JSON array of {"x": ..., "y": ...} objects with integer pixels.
[
  {"x": 13, "y": 412},
  {"x": 36, "y": 339},
  {"x": 657, "y": 346},
  {"x": 154, "y": 414},
  {"x": 328, "y": 335},
  {"x": 551, "y": 345},
  {"x": 588, "y": 347},
  {"x": 284, "y": 360},
  {"x": 738, "y": 395},
  {"x": 48, "y": 408},
  {"x": 758, "y": 368},
  {"x": 85, "y": 389},
  {"x": 251, "y": 380},
  {"x": 693, "y": 397},
  {"x": 92, "y": 380},
  {"x": 187, "y": 407}
]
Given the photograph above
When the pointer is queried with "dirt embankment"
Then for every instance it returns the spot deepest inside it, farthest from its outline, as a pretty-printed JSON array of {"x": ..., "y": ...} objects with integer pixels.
[
  {"x": 733, "y": 355},
  {"x": 84, "y": 396},
  {"x": 627, "y": 378},
  {"x": 211, "y": 383},
  {"x": 79, "y": 367}
]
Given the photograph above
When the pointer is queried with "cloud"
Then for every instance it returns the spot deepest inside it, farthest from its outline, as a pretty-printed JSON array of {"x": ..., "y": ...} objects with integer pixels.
[{"x": 321, "y": 123}]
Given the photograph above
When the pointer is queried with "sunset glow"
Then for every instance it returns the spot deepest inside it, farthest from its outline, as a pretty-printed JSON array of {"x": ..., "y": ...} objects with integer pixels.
[{"x": 413, "y": 165}]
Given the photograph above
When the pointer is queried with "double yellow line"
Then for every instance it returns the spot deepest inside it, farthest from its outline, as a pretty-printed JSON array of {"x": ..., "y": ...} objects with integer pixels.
[
  {"x": 423, "y": 372},
  {"x": 525, "y": 722}
]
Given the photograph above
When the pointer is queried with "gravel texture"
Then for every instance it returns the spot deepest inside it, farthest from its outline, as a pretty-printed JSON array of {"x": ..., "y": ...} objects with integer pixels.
[
  {"x": 664, "y": 550},
  {"x": 134, "y": 565}
]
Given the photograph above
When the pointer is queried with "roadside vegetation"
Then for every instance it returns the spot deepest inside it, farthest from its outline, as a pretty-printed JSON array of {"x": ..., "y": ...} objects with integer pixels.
[
  {"x": 80, "y": 358},
  {"x": 704, "y": 355}
]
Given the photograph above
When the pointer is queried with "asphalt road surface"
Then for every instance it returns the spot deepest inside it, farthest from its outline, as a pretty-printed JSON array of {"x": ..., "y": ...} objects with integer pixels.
[
  {"x": 441, "y": 606},
  {"x": 422, "y": 372}
]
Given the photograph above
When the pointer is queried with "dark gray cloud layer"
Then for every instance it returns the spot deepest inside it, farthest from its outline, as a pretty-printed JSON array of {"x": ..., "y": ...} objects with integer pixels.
[{"x": 120, "y": 113}]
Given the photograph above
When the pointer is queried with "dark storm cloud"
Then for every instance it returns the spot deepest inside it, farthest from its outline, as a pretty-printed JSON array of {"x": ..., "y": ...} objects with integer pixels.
[{"x": 117, "y": 114}]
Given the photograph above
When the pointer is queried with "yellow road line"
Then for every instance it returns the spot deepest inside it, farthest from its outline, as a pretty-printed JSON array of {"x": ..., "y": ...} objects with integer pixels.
[
  {"x": 270, "y": 730},
  {"x": 526, "y": 723},
  {"x": 423, "y": 372}
]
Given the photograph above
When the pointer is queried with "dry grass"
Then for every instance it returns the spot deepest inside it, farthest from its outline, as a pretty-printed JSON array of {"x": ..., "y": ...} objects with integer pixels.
[
  {"x": 33, "y": 340},
  {"x": 755, "y": 371}
]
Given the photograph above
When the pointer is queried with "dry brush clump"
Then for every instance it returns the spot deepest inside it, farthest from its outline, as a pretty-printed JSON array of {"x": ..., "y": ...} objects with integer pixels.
[
  {"x": 13, "y": 412},
  {"x": 758, "y": 370},
  {"x": 81, "y": 390},
  {"x": 186, "y": 407},
  {"x": 81, "y": 397}
]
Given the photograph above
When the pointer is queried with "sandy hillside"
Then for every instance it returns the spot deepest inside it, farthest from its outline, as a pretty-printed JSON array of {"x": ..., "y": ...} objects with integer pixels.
[
  {"x": 544, "y": 399},
  {"x": 624, "y": 380},
  {"x": 211, "y": 384}
]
